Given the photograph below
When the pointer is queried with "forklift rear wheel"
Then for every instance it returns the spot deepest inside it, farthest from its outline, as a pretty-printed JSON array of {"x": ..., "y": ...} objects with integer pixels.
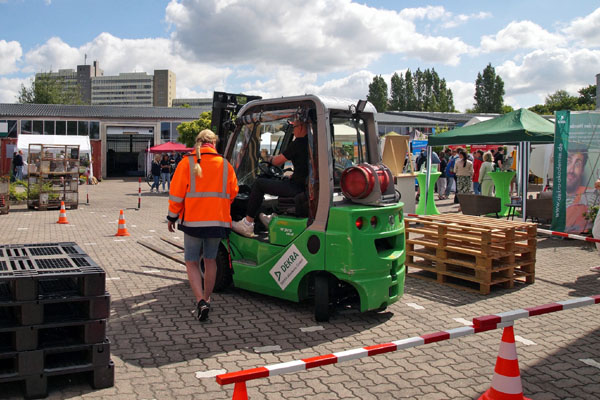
[
  {"x": 322, "y": 298},
  {"x": 223, "y": 279}
]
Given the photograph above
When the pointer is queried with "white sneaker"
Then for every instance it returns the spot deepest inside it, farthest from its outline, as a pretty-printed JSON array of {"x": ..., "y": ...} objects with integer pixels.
[
  {"x": 243, "y": 227},
  {"x": 266, "y": 219}
]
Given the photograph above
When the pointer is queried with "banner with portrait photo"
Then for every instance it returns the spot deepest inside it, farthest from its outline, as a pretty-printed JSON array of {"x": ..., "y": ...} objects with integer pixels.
[{"x": 576, "y": 169}]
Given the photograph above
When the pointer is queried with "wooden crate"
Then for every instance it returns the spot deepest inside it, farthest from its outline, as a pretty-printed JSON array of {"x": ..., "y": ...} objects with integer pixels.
[{"x": 473, "y": 253}]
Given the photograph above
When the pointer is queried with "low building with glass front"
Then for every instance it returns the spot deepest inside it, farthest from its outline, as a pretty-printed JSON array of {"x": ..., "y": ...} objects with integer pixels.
[{"x": 119, "y": 135}]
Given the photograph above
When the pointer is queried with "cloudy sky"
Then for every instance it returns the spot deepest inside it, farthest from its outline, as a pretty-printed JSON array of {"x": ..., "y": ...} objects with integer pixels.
[{"x": 288, "y": 47}]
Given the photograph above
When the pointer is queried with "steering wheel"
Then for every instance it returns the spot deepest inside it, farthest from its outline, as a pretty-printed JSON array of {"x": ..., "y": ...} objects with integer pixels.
[{"x": 269, "y": 170}]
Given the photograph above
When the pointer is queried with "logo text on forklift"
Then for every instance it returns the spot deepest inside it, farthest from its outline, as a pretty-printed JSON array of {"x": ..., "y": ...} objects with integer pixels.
[{"x": 288, "y": 266}]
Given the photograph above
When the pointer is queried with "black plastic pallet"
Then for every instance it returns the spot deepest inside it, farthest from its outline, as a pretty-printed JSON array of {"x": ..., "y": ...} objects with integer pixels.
[
  {"x": 36, "y": 386},
  {"x": 46, "y": 270},
  {"x": 38, "y": 337},
  {"x": 50, "y": 310},
  {"x": 24, "y": 363}
]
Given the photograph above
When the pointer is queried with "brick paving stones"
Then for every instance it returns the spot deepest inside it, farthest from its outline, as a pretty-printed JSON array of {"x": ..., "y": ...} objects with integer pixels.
[{"x": 159, "y": 347}]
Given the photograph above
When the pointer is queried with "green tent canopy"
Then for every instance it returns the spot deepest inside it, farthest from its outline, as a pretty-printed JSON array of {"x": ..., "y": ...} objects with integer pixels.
[{"x": 517, "y": 126}]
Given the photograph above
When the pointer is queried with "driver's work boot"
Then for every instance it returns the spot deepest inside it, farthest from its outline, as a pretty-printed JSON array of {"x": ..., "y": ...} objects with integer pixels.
[
  {"x": 243, "y": 227},
  {"x": 266, "y": 219}
]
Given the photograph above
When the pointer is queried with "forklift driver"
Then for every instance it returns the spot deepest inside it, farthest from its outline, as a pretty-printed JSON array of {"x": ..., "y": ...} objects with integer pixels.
[{"x": 297, "y": 153}]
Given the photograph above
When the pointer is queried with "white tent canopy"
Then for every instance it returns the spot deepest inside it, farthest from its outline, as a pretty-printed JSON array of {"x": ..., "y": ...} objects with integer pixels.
[{"x": 83, "y": 142}]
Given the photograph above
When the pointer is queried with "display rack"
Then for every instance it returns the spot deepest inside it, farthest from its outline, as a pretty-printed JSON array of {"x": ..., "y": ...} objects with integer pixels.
[{"x": 53, "y": 176}]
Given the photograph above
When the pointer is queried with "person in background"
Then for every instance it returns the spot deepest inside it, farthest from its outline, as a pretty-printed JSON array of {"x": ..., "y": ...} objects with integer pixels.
[
  {"x": 499, "y": 158},
  {"x": 18, "y": 160},
  {"x": 463, "y": 168},
  {"x": 155, "y": 170},
  {"x": 441, "y": 183},
  {"x": 477, "y": 161},
  {"x": 165, "y": 171},
  {"x": 204, "y": 186},
  {"x": 485, "y": 180},
  {"x": 450, "y": 175}
]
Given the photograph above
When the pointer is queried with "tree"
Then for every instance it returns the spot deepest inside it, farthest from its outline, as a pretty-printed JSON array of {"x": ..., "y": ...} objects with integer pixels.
[
  {"x": 560, "y": 100},
  {"x": 46, "y": 89},
  {"x": 587, "y": 96},
  {"x": 398, "y": 93},
  {"x": 423, "y": 91},
  {"x": 489, "y": 91},
  {"x": 411, "y": 98},
  {"x": 506, "y": 109},
  {"x": 189, "y": 130},
  {"x": 378, "y": 93}
]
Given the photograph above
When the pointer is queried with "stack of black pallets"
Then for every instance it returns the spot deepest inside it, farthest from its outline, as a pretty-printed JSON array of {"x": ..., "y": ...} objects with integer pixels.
[{"x": 53, "y": 312}]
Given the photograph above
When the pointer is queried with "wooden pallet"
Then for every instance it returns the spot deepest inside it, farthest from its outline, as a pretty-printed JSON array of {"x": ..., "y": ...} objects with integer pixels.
[{"x": 473, "y": 253}]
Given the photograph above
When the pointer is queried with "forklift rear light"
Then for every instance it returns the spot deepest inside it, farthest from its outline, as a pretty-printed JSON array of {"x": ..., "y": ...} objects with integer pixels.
[
  {"x": 373, "y": 221},
  {"x": 359, "y": 223}
]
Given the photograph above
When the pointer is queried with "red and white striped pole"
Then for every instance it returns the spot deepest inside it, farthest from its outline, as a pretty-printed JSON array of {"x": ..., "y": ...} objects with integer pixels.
[
  {"x": 139, "y": 193},
  {"x": 480, "y": 324},
  {"x": 569, "y": 235}
]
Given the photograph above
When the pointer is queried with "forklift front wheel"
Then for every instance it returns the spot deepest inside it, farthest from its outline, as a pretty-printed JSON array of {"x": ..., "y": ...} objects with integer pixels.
[{"x": 322, "y": 298}]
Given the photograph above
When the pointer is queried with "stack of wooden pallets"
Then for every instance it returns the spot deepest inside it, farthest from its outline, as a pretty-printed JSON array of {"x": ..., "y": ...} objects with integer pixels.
[{"x": 469, "y": 252}]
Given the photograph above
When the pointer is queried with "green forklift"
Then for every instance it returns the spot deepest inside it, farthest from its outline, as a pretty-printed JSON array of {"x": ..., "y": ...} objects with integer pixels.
[{"x": 341, "y": 242}]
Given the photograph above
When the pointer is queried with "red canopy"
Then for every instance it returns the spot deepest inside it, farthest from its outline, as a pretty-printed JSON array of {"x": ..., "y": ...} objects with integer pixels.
[{"x": 170, "y": 147}]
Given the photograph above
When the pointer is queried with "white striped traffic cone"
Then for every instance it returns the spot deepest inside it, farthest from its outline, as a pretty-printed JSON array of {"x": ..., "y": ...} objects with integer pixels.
[
  {"x": 62, "y": 215},
  {"x": 122, "y": 231},
  {"x": 506, "y": 383}
]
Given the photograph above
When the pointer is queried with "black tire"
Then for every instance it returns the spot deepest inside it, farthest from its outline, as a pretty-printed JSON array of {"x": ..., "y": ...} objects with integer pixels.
[
  {"x": 223, "y": 279},
  {"x": 322, "y": 298}
]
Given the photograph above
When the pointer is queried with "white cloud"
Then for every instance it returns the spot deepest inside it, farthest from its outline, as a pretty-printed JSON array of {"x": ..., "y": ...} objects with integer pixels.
[
  {"x": 462, "y": 93},
  {"x": 52, "y": 56},
  {"x": 521, "y": 35},
  {"x": 542, "y": 72},
  {"x": 10, "y": 87},
  {"x": 10, "y": 54},
  {"x": 310, "y": 35},
  {"x": 586, "y": 29},
  {"x": 461, "y": 19}
]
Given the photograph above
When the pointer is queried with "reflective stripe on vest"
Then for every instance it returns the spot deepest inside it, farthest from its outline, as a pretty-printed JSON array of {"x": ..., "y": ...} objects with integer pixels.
[{"x": 194, "y": 194}]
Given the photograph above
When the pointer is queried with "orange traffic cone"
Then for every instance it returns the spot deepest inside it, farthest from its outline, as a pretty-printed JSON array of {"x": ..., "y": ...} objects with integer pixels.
[
  {"x": 506, "y": 383},
  {"x": 122, "y": 231},
  {"x": 239, "y": 391},
  {"x": 62, "y": 216}
]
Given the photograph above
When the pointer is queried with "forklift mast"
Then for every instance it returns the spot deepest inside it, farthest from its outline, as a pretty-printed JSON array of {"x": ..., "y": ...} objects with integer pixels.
[{"x": 224, "y": 110}]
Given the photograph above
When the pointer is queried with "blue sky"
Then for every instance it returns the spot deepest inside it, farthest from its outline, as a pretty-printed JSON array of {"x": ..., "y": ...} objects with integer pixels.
[{"x": 332, "y": 47}]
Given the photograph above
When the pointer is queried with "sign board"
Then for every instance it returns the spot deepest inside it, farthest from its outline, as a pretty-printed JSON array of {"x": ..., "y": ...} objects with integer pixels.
[
  {"x": 576, "y": 169},
  {"x": 3, "y": 129},
  {"x": 418, "y": 145},
  {"x": 288, "y": 266}
]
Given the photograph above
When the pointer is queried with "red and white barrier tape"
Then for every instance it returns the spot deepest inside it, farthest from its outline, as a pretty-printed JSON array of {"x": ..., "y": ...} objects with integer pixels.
[
  {"x": 480, "y": 324},
  {"x": 510, "y": 316},
  {"x": 569, "y": 235}
]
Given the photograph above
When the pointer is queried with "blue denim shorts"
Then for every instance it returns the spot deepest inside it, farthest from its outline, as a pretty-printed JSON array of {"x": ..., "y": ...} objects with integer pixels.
[{"x": 193, "y": 247}]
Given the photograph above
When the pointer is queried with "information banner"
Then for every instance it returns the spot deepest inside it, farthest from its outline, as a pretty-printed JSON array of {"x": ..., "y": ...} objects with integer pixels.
[{"x": 576, "y": 169}]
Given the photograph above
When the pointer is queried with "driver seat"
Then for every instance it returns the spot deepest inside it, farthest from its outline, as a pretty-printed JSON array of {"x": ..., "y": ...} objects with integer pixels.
[{"x": 295, "y": 206}]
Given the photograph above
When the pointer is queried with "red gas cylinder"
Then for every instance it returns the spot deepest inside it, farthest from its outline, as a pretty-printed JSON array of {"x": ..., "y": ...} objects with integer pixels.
[{"x": 359, "y": 181}]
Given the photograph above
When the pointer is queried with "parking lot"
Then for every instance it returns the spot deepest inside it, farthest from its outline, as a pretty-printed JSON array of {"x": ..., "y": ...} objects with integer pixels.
[{"x": 161, "y": 351}]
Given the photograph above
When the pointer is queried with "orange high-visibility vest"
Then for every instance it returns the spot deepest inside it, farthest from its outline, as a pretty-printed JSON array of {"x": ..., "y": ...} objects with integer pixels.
[{"x": 200, "y": 202}]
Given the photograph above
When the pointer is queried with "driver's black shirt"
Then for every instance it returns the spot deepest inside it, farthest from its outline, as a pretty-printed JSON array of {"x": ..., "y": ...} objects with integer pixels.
[{"x": 297, "y": 153}]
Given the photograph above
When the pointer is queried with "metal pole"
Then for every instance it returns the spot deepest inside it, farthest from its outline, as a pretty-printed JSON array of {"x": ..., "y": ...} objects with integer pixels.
[
  {"x": 525, "y": 178},
  {"x": 139, "y": 193},
  {"x": 427, "y": 177}
]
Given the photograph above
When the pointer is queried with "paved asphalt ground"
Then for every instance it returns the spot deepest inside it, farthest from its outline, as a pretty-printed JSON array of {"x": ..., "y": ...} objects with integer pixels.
[{"x": 162, "y": 352}]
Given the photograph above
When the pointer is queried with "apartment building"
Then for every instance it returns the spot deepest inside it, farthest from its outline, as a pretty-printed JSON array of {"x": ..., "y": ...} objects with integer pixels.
[{"x": 126, "y": 89}]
